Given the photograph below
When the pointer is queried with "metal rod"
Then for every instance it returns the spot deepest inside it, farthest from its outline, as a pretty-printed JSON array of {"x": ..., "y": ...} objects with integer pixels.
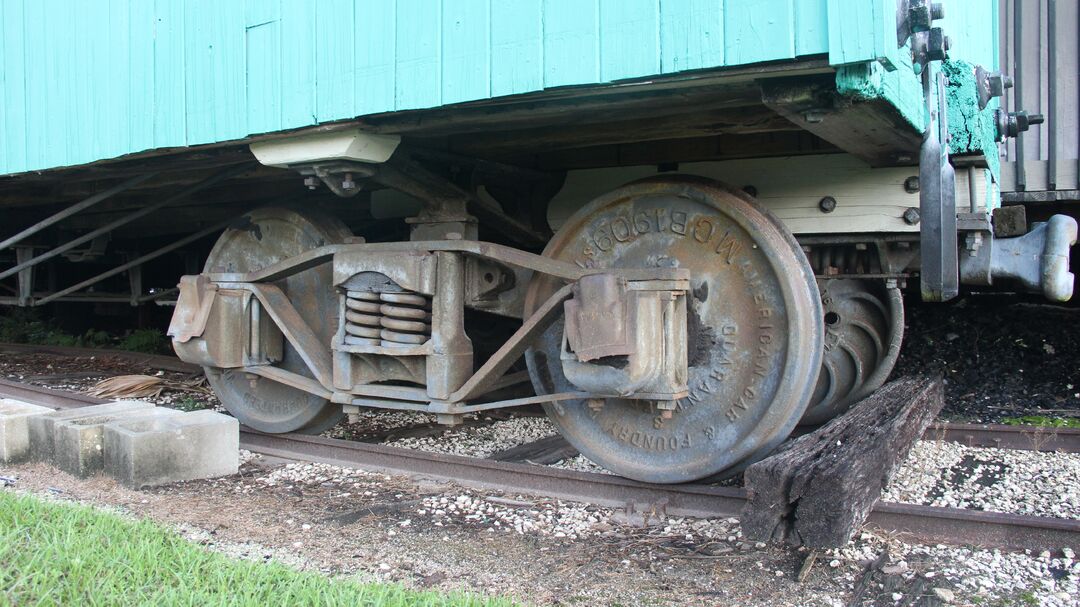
[
  {"x": 1018, "y": 85},
  {"x": 973, "y": 190},
  {"x": 26, "y": 277},
  {"x": 1051, "y": 88},
  {"x": 75, "y": 208},
  {"x": 217, "y": 177},
  {"x": 135, "y": 262}
]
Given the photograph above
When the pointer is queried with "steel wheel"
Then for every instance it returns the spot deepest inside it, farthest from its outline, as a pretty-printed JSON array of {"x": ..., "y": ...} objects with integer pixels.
[
  {"x": 864, "y": 325},
  {"x": 755, "y": 329},
  {"x": 275, "y": 234}
]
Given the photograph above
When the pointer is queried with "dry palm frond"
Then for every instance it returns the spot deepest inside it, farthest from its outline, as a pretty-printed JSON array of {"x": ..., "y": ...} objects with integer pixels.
[
  {"x": 145, "y": 386},
  {"x": 196, "y": 384},
  {"x": 128, "y": 386}
]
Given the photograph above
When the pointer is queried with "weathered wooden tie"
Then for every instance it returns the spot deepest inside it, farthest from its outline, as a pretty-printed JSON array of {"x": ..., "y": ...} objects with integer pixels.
[{"x": 819, "y": 488}]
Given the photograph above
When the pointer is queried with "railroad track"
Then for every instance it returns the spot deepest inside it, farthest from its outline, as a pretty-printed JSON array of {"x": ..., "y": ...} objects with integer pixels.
[
  {"x": 921, "y": 523},
  {"x": 1030, "y": 438}
]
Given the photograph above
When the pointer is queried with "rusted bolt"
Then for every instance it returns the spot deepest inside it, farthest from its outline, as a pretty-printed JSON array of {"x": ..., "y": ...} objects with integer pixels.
[
  {"x": 911, "y": 216},
  {"x": 311, "y": 182},
  {"x": 827, "y": 204},
  {"x": 911, "y": 184}
]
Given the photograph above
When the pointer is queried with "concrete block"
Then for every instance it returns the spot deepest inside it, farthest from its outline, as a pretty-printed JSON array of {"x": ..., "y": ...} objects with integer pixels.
[
  {"x": 15, "y": 429},
  {"x": 149, "y": 452},
  {"x": 42, "y": 426},
  {"x": 79, "y": 444}
]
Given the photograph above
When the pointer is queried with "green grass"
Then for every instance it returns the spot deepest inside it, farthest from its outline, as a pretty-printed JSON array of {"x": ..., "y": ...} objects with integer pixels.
[
  {"x": 63, "y": 554},
  {"x": 1043, "y": 421}
]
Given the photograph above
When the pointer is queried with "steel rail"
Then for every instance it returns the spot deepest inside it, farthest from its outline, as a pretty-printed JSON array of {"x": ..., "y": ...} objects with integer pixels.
[
  {"x": 1023, "y": 438},
  {"x": 928, "y": 524}
]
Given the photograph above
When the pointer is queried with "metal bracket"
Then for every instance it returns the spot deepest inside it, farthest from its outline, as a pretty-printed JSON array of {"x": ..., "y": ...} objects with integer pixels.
[
  {"x": 914, "y": 16},
  {"x": 914, "y": 20},
  {"x": 937, "y": 202}
]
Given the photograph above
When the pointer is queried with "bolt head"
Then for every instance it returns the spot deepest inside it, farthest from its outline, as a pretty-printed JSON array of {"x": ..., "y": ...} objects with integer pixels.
[
  {"x": 911, "y": 184},
  {"x": 311, "y": 182},
  {"x": 827, "y": 204},
  {"x": 911, "y": 216}
]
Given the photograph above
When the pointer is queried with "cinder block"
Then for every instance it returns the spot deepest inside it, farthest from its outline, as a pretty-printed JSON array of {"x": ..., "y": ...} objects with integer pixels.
[
  {"x": 42, "y": 426},
  {"x": 150, "y": 452},
  {"x": 79, "y": 444},
  {"x": 15, "y": 418}
]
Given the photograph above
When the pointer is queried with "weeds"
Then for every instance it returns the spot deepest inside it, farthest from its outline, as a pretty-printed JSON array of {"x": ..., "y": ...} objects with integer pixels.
[
  {"x": 190, "y": 403},
  {"x": 24, "y": 326},
  {"x": 1043, "y": 421},
  {"x": 147, "y": 341}
]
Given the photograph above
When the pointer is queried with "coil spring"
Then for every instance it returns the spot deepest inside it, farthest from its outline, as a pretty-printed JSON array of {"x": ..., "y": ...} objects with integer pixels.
[
  {"x": 386, "y": 319},
  {"x": 829, "y": 260}
]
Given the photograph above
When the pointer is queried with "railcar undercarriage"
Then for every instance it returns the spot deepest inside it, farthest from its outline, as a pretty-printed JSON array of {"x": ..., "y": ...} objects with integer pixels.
[{"x": 673, "y": 328}]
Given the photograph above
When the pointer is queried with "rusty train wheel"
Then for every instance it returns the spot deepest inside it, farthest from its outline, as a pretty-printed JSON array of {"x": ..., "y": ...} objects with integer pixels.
[
  {"x": 864, "y": 325},
  {"x": 755, "y": 329},
  {"x": 275, "y": 234}
]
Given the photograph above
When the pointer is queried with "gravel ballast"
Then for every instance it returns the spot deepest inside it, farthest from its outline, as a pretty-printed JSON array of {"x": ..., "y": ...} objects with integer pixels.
[{"x": 937, "y": 473}]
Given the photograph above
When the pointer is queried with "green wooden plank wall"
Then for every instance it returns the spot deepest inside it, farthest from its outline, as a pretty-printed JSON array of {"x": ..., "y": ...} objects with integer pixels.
[{"x": 83, "y": 80}]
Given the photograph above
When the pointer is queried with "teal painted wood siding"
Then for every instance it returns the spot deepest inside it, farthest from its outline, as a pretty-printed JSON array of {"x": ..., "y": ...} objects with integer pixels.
[{"x": 84, "y": 80}]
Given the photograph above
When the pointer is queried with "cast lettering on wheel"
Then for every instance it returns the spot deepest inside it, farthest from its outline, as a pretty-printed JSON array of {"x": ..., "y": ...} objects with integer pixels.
[{"x": 754, "y": 329}]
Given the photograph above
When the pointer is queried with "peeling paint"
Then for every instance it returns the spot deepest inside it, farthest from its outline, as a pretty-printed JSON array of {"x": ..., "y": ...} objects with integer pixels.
[{"x": 971, "y": 131}]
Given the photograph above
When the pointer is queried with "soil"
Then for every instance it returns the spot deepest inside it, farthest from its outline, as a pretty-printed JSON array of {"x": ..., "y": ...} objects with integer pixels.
[
  {"x": 1002, "y": 356},
  {"x": 353, "y": 527}
]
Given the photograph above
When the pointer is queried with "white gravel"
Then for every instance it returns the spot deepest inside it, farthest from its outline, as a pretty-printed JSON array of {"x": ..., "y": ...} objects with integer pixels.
[
  {"x": 312, "y": 474},
  {"x": 482, "y": 441},
  {"x": 976, "y": 576},
  {"x": 938, "y": 473},
  {"x": 971, "y": 576},
  {"x": 248, "y": 551},
  {"x": 372, "y": 421},
  {"x": 581, "y": 464}
]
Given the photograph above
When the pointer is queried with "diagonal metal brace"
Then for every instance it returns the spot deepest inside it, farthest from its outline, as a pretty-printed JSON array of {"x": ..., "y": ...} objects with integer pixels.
[
  {"x": 213, "y": 179},
  {"x": 75, "y": 208}
]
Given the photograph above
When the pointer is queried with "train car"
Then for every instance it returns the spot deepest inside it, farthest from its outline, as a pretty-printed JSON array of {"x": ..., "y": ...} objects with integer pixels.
[{"x": 682, "y": 227}]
